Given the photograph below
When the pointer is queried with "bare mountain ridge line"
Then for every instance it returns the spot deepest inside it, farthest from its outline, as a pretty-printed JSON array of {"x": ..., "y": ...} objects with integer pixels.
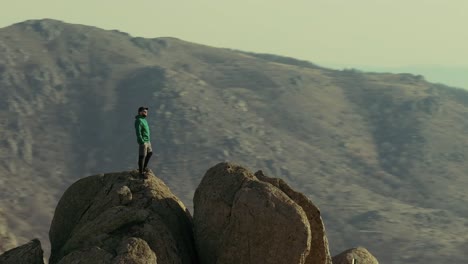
[
  {"x": 44, "y": 26},
  {"x": 393, "y": 143},
  {"x": 124, "y": 218}
]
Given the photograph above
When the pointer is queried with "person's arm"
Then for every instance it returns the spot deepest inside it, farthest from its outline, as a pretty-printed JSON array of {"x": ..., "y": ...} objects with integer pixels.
[{"x": 138, "y": 125}]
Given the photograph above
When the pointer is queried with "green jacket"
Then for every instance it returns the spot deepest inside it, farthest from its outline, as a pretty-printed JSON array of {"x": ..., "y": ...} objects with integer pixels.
[{"x": 142, "y": 129}]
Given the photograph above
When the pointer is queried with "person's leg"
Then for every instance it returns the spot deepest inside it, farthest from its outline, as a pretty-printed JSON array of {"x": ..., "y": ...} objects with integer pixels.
[
  {"x": 148, "y": 155},
  {"x": 141, "y": 157}
]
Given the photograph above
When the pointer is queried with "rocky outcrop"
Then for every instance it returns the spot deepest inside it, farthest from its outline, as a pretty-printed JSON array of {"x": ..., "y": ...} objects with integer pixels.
[
  {"x": 319, "y": 242},
  {"x": 30, "y": 253},
  {"x": 360, "y": 254},
  {"x": 240, "y": 218},
  {"x": 132, "y": 250},
  {"x": 121, "y": 218}
]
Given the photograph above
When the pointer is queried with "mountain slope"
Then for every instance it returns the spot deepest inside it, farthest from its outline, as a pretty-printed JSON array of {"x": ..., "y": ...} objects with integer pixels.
[{"x": 382, "y": 155}]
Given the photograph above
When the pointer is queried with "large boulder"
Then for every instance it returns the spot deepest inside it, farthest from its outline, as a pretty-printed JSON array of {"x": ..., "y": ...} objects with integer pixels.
[
  {"x": 132, "y": 250},
  {"x": 121, "y": 218},
  {"x": 30, "y": 253},
  {"x": 319, "y": 241},
  {"x": 239, "y": 218},
  {"x": 360, "y": 254}
]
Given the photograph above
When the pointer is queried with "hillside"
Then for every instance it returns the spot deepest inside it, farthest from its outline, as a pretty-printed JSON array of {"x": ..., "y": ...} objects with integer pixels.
[{"x": 382, "y": 155}]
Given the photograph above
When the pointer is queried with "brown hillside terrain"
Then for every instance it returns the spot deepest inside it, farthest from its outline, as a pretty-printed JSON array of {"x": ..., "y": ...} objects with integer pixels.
[{"x": 382, "y": 155}]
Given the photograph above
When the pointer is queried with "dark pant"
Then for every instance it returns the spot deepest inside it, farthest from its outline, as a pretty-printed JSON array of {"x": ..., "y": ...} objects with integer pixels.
[{"x": 145, "y": 152}]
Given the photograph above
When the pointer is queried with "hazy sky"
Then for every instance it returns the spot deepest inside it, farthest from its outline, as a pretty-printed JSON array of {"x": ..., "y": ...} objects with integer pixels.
[{"x": 384, "y": 33}]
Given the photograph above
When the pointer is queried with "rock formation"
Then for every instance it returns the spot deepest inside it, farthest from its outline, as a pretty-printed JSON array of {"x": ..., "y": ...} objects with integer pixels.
[
  {"x": 319, "y": 242},
  {"x": 240, "y": 218},
  {"x": 360, "y": 254},
  {"x": 30, "y": 253},
  {"x": 121, "y": 218}
]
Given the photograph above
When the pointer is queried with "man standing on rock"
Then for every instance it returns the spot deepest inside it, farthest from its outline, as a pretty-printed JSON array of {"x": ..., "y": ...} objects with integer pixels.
[{"x": 143, "y": 138}]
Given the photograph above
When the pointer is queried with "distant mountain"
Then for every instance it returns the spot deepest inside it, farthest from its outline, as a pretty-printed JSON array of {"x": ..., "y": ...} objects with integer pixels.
[
  {"x": 382, "y": 155},
  {"x": 455, "y": 76}
]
